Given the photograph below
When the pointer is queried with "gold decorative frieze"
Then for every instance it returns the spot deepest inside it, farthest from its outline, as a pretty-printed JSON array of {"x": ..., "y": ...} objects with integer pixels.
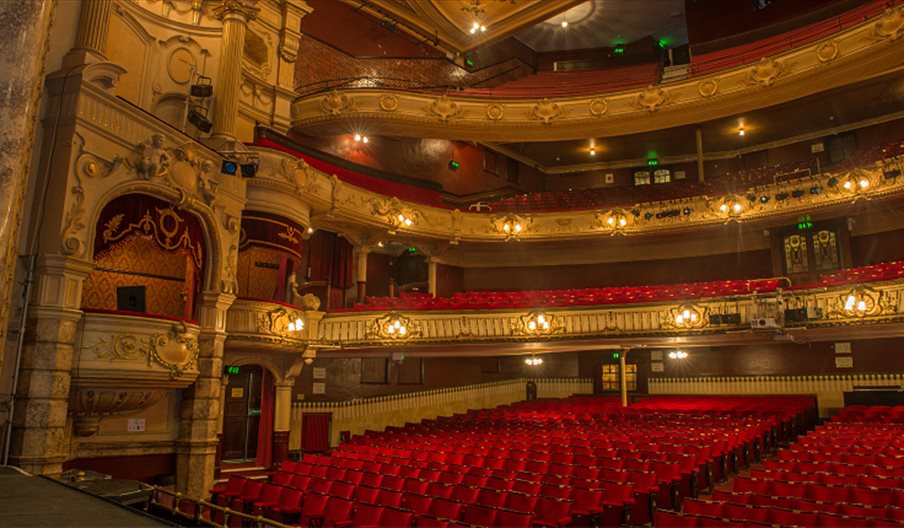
[
  {"x": 176, "y": 351},
  {"x": 766, "y": 72},
  {"x": 394, "y": 327},
  {"x": 342, "y": 204},
  {"x": 335, "y": 103},
  {"x": 688, "y": 317},
  {"x": 863, "y": 301},
  {"x": 891, "y": 25},
  {"x": 546, "y": 111},
  {"x": 284, "y": 322},
  {"x": 537, "y": 323}
]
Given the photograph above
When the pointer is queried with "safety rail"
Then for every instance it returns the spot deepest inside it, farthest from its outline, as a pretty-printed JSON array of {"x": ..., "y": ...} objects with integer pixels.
[{"x": 195, "y": 510}]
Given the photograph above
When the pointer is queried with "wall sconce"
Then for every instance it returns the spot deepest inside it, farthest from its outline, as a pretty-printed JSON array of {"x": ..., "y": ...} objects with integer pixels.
[
  {"x": 614, "y": 221},
  {"x": 533, "y": 361},
  {"x": 677, "y": 354},
  {"x": 511, "y": 226},
  {"x": 394, "y": 326},
  {"x": 395, "y": 213},
  {"x": 538, "y": 323},
  {"x": 297, "y": 325},
  {"x": 731, "y": 207},
  {"x": 862, "y": 302},
  {"x": 853, "y": 184},
  {"x": 688, "y": 316}
]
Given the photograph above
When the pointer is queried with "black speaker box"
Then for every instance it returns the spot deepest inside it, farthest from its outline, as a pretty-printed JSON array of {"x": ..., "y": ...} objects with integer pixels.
[{"x": 131, "y": 298}]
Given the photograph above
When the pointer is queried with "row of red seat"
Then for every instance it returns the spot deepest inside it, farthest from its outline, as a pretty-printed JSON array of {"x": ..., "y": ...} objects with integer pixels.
[
  {"x": 571, "y": 83},
  {"x": 702, "y": 64},
  {"x": 843, "y": 473},
  {"x": 527, "y": 299}
]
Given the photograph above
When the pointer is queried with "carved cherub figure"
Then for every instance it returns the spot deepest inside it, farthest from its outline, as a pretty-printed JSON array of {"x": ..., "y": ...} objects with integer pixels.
[{"x": 154, "y": 160}]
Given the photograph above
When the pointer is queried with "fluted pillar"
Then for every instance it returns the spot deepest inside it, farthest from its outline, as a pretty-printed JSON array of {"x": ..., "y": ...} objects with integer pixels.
[
  {"x": 282, "y": 420},
  {"x": 361, "y": 272},
  {"x": 235, "y": 15},
  {"x": 24, "y": 31},
  {"x": 93, "y": 24},
  {"x": 431, "y": 276}
]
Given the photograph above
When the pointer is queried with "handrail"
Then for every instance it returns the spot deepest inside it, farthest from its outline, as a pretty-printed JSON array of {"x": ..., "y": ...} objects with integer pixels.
[{"x": 200, "y": 506}]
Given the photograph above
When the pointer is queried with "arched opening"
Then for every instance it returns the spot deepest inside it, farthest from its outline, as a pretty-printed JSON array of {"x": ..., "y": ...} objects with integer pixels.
[{"x": 149, "y": 259}]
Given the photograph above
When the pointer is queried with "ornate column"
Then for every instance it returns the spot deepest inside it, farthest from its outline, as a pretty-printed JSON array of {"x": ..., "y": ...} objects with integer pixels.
[
  {"x": 623, "y": 376},
  {"x": 699, "y": 137},
  {"x": 91, "y": 39},
  {"x": 361, "y": 271},
  {"x": 235, "y": 15},
  {"x": 431, "y": 276},
  {"x": 220, "y": 416},
  {"x": 282, "y": 419},
  {"x": 196, "y": 449},
  {"x": 42, "y": 390},
  {"x": 24, "y": 32}
]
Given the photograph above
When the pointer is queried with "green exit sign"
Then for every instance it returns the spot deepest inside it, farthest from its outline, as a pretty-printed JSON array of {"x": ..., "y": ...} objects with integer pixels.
[
  {"x": 616, "y": 355},
  {"x": 231, "y": 369},
  {"x": 804, "y": 222},
  {"x": 652, "y": 162}
]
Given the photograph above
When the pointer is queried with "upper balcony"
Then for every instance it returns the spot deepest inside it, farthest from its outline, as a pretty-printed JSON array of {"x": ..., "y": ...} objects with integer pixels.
[{"x": 786, "y": 68}]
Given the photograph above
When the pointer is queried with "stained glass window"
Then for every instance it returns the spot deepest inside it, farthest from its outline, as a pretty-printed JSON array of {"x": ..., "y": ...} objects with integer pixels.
[
  {"x": 662, "y": 176},
  {"x": 611, "y": 381},
  {"x": 796, "y": 254},
  {"x": 642, "y": 178},
  {"x": 825, "y": 250}
]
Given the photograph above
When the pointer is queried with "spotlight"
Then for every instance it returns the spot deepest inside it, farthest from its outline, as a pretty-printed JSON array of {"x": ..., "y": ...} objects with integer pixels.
[
  {"x": 202, "y": 88},
  {"x": 797, "y": 193},
  {"x": 815, "y": 190},
  {"x": 647, "y": 216},
  {"x": 751, "y": 197},
  {"x": 764, "y": 199},
  {"x": 229, "y": 167},
  {"x": 687, "y": 211},
  {"x": 249, "y": 170},
  {"x": 891, "y": 174},
  {"x": 198, "y": 117},
  {"x": 781, "y": 196},
  {"x": 833, "y": 181}
]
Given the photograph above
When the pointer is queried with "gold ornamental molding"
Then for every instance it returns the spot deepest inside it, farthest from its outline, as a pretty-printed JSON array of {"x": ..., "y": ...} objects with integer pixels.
[
  {"x": 873, "y": 305},
  {"x": 849, "y": 56},
  {"x": 340, "y": 206}
]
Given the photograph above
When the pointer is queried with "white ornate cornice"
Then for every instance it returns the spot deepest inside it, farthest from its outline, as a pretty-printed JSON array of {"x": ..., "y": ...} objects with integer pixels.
[{"x": 860, "y": 52}]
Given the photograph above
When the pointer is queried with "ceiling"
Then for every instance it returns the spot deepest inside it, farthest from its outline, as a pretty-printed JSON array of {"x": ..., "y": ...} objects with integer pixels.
[
  {"x": 605, "y": 23},
  {"x": 450, "y": 21}
]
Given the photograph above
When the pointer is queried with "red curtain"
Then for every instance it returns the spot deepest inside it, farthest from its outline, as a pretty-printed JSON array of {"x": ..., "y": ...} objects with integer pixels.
[
  {"x": 330, "y": 256},
  {"x": 265, "y": 429},
  {"x": 315, "y": 432}
]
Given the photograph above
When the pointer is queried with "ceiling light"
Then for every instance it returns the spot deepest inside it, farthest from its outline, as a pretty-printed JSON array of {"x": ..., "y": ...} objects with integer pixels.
[
  {"x": 364, "y": 139},
  {"x": 678, "y": 354},
  {"x": 310, "y": 230},
  {"x": 564, "y": 24},
  {"x": 741, "y": 131},
  {"x": 593, "y": 151},
  {"x": 357, "y": 137}
]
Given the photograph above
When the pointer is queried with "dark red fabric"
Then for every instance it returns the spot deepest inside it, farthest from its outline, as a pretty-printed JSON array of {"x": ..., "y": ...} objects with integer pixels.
[
  {"x": 378, "y": 185},
  {"x": 265, "y": 429},
  {"x": 271, "y": 231},
  {"x": 133, "y": 207},
  {"x": 330, "y": 257},
  {"x": 315, "y": 432}
]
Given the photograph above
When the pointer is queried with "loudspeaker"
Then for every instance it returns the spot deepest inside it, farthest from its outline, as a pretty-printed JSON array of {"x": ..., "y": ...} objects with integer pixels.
[{"x": 131, "y": 298}]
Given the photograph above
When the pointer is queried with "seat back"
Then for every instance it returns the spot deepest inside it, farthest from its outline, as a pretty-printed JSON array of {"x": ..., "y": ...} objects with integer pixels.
[
  {"x": 389, "y": 498},
  {"x": 511, "y": 519},
  {"x": 476, "y": 515}
]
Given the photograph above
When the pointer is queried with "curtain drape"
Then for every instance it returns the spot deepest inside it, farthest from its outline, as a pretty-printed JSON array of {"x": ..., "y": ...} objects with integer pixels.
[{"x": 315, "y": 432}]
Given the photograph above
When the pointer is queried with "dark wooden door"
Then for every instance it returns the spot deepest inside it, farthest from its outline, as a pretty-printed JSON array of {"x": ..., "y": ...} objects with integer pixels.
[{"x": 242, "y": 414}]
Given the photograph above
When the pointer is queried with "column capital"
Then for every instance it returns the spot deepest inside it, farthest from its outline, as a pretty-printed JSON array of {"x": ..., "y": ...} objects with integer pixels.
[{"x": 244, "y": 10}]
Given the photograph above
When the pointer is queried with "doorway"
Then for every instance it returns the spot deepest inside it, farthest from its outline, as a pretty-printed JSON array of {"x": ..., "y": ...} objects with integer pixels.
[{"x": 242, "y": 414}]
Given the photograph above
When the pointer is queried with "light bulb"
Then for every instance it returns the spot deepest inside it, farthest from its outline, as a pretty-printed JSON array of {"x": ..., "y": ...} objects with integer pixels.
[
  {"x": 532, "y": 325},
  {"x": 401, "y": 218},
  {"x": 472, "y": 30},
  {"x": 737, "y": 207},
  {"x": 723, "y": 208},
  {"x": 397, "y": 323},
  {"x": 679, "y": 318},
  {"x": 741, "y": 132},
  {"x": 390, "y": 329},
  {"x": 693, "y": 317},
  {"x": 541, "y": 319},
  {"x": 483, "y": 28},
  {"x": 291, "y": 327},
  {"x": 592, "y": 151},
  {"x": 517, "y": 228},
  {"x": 849, "y": 303},
  {"x": 357, "y": 137},
  {"x": 622, "y": 222},
  {"x": 299, "y": 324},
  {"x": 545, "y": 325},
  {"x": 564, "y": 23},
  {"x": 408, "y": 222},
  {"x": 861, "y": 306},
  {"x": 847, "y": 185},
  {"x": 673, "y": 355},
  {"x": 506, "y": 227},
  {"x": 611, "y": 221},
  {"x": 686, "y": 313},
  {"x": 864, "y": 183},
  {"x": 403, "y": 330},
  {"x": 364, "y": 139}
]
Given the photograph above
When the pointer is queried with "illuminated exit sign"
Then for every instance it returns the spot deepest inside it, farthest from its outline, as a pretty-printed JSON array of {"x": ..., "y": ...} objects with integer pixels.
[
  {"x": 804, "y": 222},
  {"x": 231, "y": 369}
]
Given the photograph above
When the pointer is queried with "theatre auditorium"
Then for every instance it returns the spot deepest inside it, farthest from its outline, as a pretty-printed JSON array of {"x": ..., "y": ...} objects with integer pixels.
[{"x": 451, "y": 263}]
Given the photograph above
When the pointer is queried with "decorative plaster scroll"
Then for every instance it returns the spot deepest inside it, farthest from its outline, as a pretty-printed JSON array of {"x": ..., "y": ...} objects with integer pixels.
[
  {"x": 546, "y": 111},
  {"x": 444, "y": 108},
  {"x": 891, "y": 25},
  {"x": 765, "y": 72},
  {"x": 827, "y": 52},
  {"x": 495, "y": 112},
  {"x": 175, "y": 351},
  {"x": 708, "y": 87},
  {"x": 276, "y": 322},
  {"x": 336, "y": 103},
  {"x": 389, "y": 103},
  {"x": 652, "y": 98}
]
